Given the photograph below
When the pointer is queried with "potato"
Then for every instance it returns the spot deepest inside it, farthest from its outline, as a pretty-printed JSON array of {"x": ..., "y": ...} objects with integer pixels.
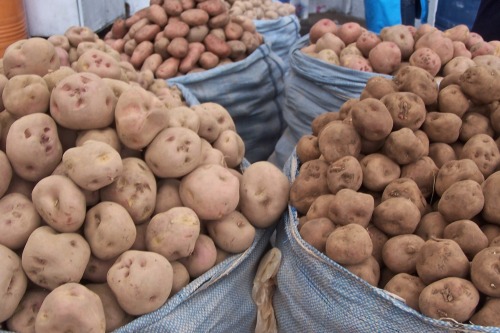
[
  {"x": 344, "y": 173},
  {"x": 484, "y": 272},
  {"x": 307, "y": 148},
  {"x": 349, "y": 206},
  {"x": 481, "y": 84},
  {"x": 6, "y": 171},
  {"x": 174, "y": 152},
  {"x": 168, "y": 195},
  {"x": 329, "y": 41},
  {"x": 114, "y": 314},
  {"x": 468, "y": 235},
  {"x": 486, "y": 315},
  {"x": 367, "y": 41},
  {"x": 434, "y": 125},
  {"x": 61, "y": 41},
  {"x": 34, "y": 55},
  {"x": 423, "y": 172},
  {"x": 82, "y": 101},
  {"x": 454, "y": 171},
  {"x": 441, "y": 258},
  {"x": 385, "y": 57},
  {"x": 396, "y": 216},
  {"x": 475, "y": 123},
  {"x": 368, "y": 270},
  {"x": 211, "y": 191},
  {"x": 371, "y": 119},
  {"x": 214, "y": 118},
  {"x": 399, "y": 253},
  {"x": 26, "y": 94},
  {"x": 70, "y": 307},
  {"x": 461, "y": 201},
  {"x": 232, "y": 233},
  {"x": 13, "y": 282},
  {"x": 378, "y": 171},
  {"x": 406, "y": 108},
  {"x": 141, "y": 281},
  {"x": 173, "y": 233},
  {"x": 403, "y": 146},
  {"x": 194, "y": 17},
  {"x": 491, "y": 212},
  {"x": 488, "y": 60},
  {"x": 458, "y": 65},
  {"x": 97, "y": 269},
  {"x": 338, "y": 139},
  {"x": 377, "y": 87},
  {"x": 451, "y": 99},
  {"x": 405, "y": 188},
  {"x": 309, "y": 184},
  {"x": 460, "y": 50},
  {"x": 459, "y": 32},
  {"x": 78, "y": 34},
  {"x": 203, "y": 257},
  {"x": 51, "y": 259},
  {"x": 401, "y": 36},
  {"x": 439, "y": 43},
  {"x": 349, "y": 32},
  {"x": 23, "y": 320},
  {"x": 427, "y": 59},
  {"x": 18, "y": 219},
  {"x": 378, "y": 240},
  {"x": 482, "y": 149},
  {"x": 134, "y": 189},
  {"x": 316, "y": 231},
  {"x": 232, "y": 146},
  {"x": 349, "y": 244},
  {"x": 451, "y": 297},
  {"x": 321, "y": 27},
  {"x": 181, "y": 277},
  {"x": 406, "y": 286},
  {"x": 418, "y": 81},
  {"x": 33, "y": 147},
  {"x": 100, "y": 63}
]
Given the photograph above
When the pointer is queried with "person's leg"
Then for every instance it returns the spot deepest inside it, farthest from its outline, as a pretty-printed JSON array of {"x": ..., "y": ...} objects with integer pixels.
[{"x": 408, "y": 12}]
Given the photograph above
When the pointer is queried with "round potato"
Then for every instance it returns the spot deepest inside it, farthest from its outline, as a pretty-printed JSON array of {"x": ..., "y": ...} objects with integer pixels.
[
  {"x": 349, "y": 245},
  {"x": 378, "y": 171},
  {"x": 232, "y": 146},
  {"x": 232, "y": 233},
  {"x": 396, "y": 216},
  {"x": 100, "y": 63},
  {"x": 107, "y": 135},
  {"x": 264, "y": 194},
  {"x": 468, "y": 235},
  {"x": 406, "y": 286},
  {"x": 461, "y": 201},
  {"x": 316, "y": 231},
  {"x": 349, "y": 206},
  {"x": 141, "y": 281},
  {"x": 51, "y": 259},
  {"x": 400, "y": 253},
  {"x": 13, "y": 282},
  {"x": 484, "y": 271},
  {"x": 6, "y": 171},
  {"x": 23, "y": 320},
  {"x": 26, "y": 94},
  {"x": 203, "y": 257},
  {"x": 339, "y": 139},
  {"x": 344, "y": 173},
  {"x": 168, "y": 195}
]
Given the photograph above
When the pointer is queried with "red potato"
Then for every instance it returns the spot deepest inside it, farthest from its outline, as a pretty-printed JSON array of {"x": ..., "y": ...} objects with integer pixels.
[
  {"x": 349, "y": 32},
  {"x": 203, "y": 257},
  {"x": 18, "y": 219},
  {"x": 63, "y": 261},
  {"x": 71, "y": 307},
  {"x": 427, "y": 59},
  {"x": 194, "y": 17},
  {"x": 13, "y": 282},
  {"x": 217, "y": 46},
  {"x": 401, "y": 36},
  {"x": 150, "y": 276},
  {"x": 439, "y": 43},
  {"x": 6, "y": 170},
  {"x": 367, "y": 41},
  {"x": 329, "y": 41},
  {"x": 321, "y": 27},
  {"x": 168, "y": 69},
  {"x": 195, "y": 51},
  {"x": 173, "y": 233},
  {"x": 385, "y": 57}
]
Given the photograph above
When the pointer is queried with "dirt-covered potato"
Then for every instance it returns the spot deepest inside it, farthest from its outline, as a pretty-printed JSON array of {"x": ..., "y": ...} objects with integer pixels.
[
  {"x": 141, "y": 281},
  {"x": 71, "y": 307},
  {"x": 461, "y": 201},
  {"x": 406, "y": 188},
  {"x": 451, "y": 99},
  {"x": 487, "y": 314},
  {"x": 441, "y": 153},
  {"x": 26, "y": 94},
  {"x": 399, "y": 253},
  {"x": 406, "y": 286},
  {"x": 423, "y": 172},
  {"x": 396, "y": 216},
  {"x": 371, "y": 119},
  {"x": 134, "y": 189},
  {"x": 468, "y": 235},
  {"x": 403, "y": 146},
  {"x": 30, "y": 56},
  {"x": 339, "y": 139},
  {"x": 93, "y": 165},
  {"x": 431, "y": 225},
  {"x": 33, "y": 146},
  {"x": 491, "y": 188},
  {"x": 442, "y": 126},
  {"x": 484, "y": 271},
  {"x": 418, "y": 81},
  {"x": 309, "y": 184},
  {"x": 454, "y": 171},
  {"x": 307, "y": 148},
  {"x": 406, "y": 108},
  {"x": 441, "y": 258},
  {"x": 378, "y": 240},
  {"x": 378, "y": 171},
  {"x": 264, "y": 194},
  {"x": 51, "y": 259},
  {"x": 316, "y": 231},
  {"x": 233, "y": 233},
  {"x": 345, "y": 172},
  {"x": 173, "y": 233},
  {"x": 459, "y": 304},
  {"x": 349, "y": 244},
  {"x": 475, "y": 123},
  {"x": 203, "y": 257},
  {"x": 377, "y": 87},
  {"x": 109, "y": 230},
  {"x": 83, "y": 101},
  {"x": 23, "y": 319},
  {"x": 368, "y": 270},
  {"x": 211, "y": 190},
  {"x": 13, "y": 282},
  {"x": 18, "y": 219},
  {"x": 319, "y": 207},
  {"x": 481, "y": 83},
  {"x": 114, "y": 314},
  {"x": 349, "y": 206},
  {"x": 482, "y": 149}
]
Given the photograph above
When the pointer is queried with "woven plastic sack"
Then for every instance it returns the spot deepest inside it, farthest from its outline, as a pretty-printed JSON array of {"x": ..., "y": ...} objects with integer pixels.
[
  {"x": 252, "y": 90},
  {"x": 315, "y": 294},
  {"x": 313, "y": 87},
  {"x": 281, "y": 34}
]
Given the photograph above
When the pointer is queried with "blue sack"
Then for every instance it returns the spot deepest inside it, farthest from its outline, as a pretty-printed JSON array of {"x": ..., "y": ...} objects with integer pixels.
[
  {"x": 280, "y": 33},
  {"x": 313, "y": 87},
  {"x": 315, "y": 294},
  {"x": 252, "y": 90}
]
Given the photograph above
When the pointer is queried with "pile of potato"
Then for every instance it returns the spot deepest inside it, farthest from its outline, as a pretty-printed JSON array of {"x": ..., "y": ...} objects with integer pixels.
[
  {"x": 260, "y": 9},
  {"x": 401, "y": 187},
  {"x": 114, "y": 193},
  {"x": 174, "y": 37},
  {"x": 438, "y": 52}
]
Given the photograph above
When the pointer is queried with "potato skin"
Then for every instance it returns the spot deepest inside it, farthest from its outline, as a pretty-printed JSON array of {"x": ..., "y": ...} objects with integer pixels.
[
  {"x": 23, "y": 320},
  {"x": 309, "y": 184},
  {"x": 484, "y": 272},
  {"x": 349, "y": 245},
  {"x": 396, "y": 216},
  {"x": 13, "y": 282},
  {"x": 233, "y": 233}
]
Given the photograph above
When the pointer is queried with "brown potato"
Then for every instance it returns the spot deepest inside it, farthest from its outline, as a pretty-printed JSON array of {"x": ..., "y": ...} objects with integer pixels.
[
  {"x": 441, "y": 258},
  {"x": 371, "y": 119},
  {"x": 349, "y": 206},
  {"x": 377, "y": 87},
  {"x": 441, "y": 153},
  {"x": 378, "y": 171},
  {"x": 403, "y": 146},
  {"x": 454, "y": 171},
  {"x": 307, "y": 148},
  {"x": 232, "y": 233},
  {"x": 309, "y": 184},
  {"x": 431, "y": 225},
  {"x": 423, "y": 172},
  {"x": 396, "y": 216},
  {"x": 482, "y": 149},
  {"x": 406, "y": 108},
  {"x": 481, "y": 84},
  {"x": 486, "y": 315},
  {"x": 378, "y": 239},
  {"x": 401, "y": 36},
  {"x": 461, "y": 201},
  {"x": 316, "y": 231},
  {"x": 406, "y": 286},
  {"x": 418, "y": 81},
  {"x": 345, "y": 172},
  {"x": 368, "y": 270},
  {"x": 427, "y": 59},
  {"x": 490, "y": 187},
  {"x": 484, "y": 272},
  {"x": 435, "y": 124},
  {"x": 406, "y": 188},
  {"x": 460, "y": 302},
  {"x": 400, "y": 253},
  {"x": 349, "y": 245},
  {"x": 475, "y": 123},
  {"x": 468, "y": 235},
  {"x": 338, "y": 139}
]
